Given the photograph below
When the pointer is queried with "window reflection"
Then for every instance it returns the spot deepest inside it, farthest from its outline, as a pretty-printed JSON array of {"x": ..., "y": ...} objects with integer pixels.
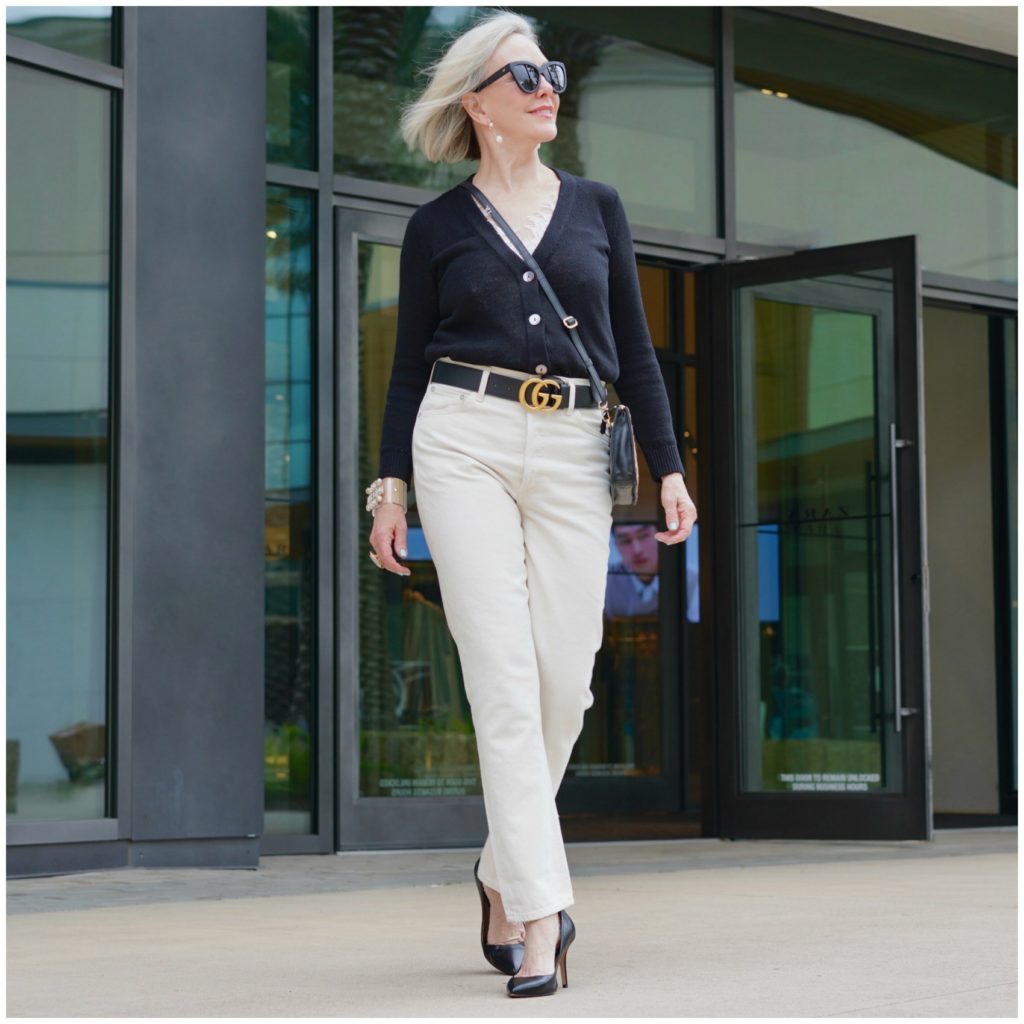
[
  {"x": 85, "y": 31},
  {"x": 655, "y": 288},
  {"x": 622, "y": 731},
  {"x": 416, "y": 732},
  {"x": 814, "y": 536},
  {"x": 640, "y": 81},
  {"x": 415, "y": 726},
  {"x": 58, "y": 449},
  {"x": 291, "y": 106},
  {"x": 1009, "y": 512},
  {"x": 925, "y": 144},
  {"x": 289, "y": 516}
]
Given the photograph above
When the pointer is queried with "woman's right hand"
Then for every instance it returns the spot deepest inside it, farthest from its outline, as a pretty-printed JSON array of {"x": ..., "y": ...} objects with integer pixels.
[{"x": 388, "y": 536}]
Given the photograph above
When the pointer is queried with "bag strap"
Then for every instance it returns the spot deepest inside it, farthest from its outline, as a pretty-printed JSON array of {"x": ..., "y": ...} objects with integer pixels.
[{"x": 570, "y": 323}]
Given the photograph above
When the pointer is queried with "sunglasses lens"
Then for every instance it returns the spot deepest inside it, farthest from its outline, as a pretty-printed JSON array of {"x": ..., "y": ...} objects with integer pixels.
[
  {"x": 555, "y": 74},
  {"x": 527, "y": 77}
]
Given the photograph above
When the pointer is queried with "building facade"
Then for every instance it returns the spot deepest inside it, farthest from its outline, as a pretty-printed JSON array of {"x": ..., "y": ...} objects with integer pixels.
[{"x": 824, "y": 212}]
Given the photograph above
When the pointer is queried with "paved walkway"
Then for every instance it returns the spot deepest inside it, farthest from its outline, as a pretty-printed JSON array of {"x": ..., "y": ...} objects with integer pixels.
[{"x": 685, "y": 928}]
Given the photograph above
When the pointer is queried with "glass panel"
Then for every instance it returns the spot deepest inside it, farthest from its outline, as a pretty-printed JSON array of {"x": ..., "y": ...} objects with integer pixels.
[
  {"x": 1010, "y": 383},
  {"x": 291, "y": 91},
  {"x": 84, "y": 31},
  {"x": 688, "y": 442},
  {"x": 417, "y": 735},
  {"x": 289, "y": 516},
  {"x": 416, "y": 732},
  {"x": 689, "y": 313},
  {"x": 692, "y": 651},
  {"x": 654, "y": 287},
  {"x": 58, "y": 449},
  {"x": 814, "y": 376},
  {"x": 924, "y": 144},
  {"x": 640, "y": 81},
  {"x": 623, "y": 732}
]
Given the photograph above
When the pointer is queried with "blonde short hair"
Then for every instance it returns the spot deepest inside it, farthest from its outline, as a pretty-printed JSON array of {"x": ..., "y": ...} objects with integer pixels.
[{"x": 436, "y": 122}]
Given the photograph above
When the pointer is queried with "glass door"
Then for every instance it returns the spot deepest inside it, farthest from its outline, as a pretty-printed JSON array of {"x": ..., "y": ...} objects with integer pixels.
[
  {"x": 628, "y": 771},
  {"x": 407, "y": 765},
  {"x": 820, "y": 605}
]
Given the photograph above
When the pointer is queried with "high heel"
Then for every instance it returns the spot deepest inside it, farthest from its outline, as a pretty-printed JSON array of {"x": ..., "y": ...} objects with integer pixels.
[
  {"x": 547, "y": 984},
  {"x": 507, "y": 957}
]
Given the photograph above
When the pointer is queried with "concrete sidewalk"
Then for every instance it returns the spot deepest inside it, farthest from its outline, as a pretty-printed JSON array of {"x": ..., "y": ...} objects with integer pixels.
[{"x": 686, "y": 928}]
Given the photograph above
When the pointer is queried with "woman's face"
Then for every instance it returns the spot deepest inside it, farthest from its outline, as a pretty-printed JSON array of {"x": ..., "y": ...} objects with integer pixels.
[{"x": 518, "y": 116}]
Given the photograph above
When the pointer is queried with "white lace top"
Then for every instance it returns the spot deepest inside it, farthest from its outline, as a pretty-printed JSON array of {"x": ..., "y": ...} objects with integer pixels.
[{"x": 536, "y": 224}]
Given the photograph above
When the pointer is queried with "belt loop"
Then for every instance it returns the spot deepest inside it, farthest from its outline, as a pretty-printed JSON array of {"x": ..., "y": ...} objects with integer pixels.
[
  {"x": 484, "y": 374},
  {"x": 572, "y": 394}
]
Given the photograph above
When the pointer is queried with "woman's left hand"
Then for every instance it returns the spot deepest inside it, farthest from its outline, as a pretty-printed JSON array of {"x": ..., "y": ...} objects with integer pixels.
[{"x": 680, "y": 511}]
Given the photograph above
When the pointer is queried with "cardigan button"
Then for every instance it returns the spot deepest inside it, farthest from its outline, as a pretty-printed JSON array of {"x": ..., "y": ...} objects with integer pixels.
[
  {"x": 535, "y": 318},
  {"x": 541, "y": 368},
  {"x": 528, "y": 275}
]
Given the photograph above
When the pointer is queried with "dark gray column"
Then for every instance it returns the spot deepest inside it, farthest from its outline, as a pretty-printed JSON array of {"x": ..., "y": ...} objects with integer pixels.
[{"x": 196, "y": 678}]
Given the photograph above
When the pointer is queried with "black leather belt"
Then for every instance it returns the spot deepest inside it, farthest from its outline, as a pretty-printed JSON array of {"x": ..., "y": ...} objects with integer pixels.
[{"x": 538, "y": 394}]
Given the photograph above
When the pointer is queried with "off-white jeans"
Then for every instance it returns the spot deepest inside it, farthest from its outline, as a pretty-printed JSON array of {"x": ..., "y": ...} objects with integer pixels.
[{"x": 516, "y": 510}]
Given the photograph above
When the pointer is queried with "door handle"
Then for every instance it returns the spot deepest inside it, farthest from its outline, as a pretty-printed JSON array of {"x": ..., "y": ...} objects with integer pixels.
[{"x": 897, "y": 695}]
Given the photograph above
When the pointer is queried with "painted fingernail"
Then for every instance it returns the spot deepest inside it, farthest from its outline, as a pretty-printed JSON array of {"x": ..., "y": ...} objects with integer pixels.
[
  {"x": 673, "y": 526},
  {"x": 402, "y": 552}
]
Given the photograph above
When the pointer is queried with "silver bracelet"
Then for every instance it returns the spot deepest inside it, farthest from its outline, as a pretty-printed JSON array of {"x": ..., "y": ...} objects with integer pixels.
[{"x": 389, "y": 488}]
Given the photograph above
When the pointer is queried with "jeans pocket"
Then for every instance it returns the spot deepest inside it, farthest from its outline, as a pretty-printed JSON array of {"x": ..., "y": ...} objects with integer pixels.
[
  {"x": 588, "y": 420},
  {"x": 439, "y": 397}
]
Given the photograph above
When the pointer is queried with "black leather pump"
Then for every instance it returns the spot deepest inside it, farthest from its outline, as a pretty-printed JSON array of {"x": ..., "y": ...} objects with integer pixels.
[
  {"x": 547, "y": 984},
  {"x": 507, "y": 957}
]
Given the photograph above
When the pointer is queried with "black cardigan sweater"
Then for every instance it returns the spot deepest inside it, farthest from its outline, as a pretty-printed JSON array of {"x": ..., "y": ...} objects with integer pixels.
[{"x": 462, "y": 293}]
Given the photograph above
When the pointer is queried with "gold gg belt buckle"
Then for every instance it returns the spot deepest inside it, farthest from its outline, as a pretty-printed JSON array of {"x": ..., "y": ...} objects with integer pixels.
[{"x": 535, "y": 396}]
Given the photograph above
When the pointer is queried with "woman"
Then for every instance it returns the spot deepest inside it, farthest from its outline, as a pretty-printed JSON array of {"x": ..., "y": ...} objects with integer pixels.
[{"x": 512, "y": 492}]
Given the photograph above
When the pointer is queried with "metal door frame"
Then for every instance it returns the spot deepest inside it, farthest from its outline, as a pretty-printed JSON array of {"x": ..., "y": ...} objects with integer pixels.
[{"x": 905, "y": 815}]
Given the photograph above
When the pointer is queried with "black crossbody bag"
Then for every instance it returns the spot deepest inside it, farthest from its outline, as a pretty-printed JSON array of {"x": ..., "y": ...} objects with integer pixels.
[{"x": 618, "y": 423}]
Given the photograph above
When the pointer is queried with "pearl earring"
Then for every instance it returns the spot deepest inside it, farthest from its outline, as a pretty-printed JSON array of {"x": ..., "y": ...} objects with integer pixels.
[{"x": 497, "y": 137}]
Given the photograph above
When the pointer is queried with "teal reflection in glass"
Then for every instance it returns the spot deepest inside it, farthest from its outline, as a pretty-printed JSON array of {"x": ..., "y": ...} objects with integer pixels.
[
  {"x": 84, "y": 31},
  {"x": 841, "y": 137},
  {"x": 640, "y": 83},
  {"x": 289, "y": 516},
  {"x": 291, "y": 92},
  {"x": 58, "y": 449}
]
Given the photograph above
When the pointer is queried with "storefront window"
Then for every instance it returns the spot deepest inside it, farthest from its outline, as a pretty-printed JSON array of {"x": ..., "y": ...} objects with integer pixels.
[
  {"x": 842, "y": 137},
  {"x": 58, "y": 447},
  {"x": 84, "y": 31},
  {"x": 291, "y": 91},
  {"x": 640, "y": 82},
  {"x": 289, "y": 515}
]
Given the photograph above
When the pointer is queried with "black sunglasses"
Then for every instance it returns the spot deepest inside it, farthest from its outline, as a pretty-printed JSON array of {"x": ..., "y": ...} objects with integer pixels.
[{"x": 527, "y": 75}]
